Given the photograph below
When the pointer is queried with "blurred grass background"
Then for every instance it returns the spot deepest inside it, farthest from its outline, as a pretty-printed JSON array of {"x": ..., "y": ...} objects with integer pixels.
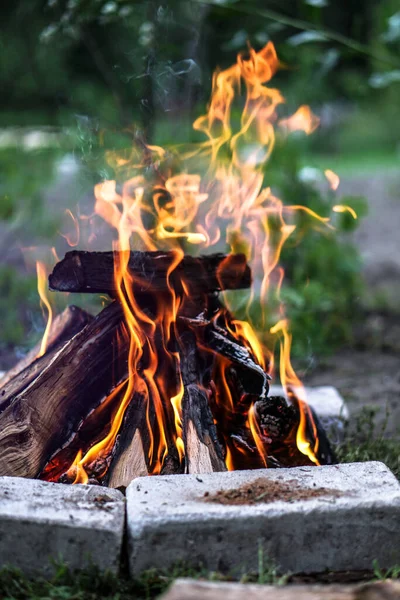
[{"x": 84, "y": 76}]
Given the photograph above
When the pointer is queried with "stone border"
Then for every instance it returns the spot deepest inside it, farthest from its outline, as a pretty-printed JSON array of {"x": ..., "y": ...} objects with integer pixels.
[{"x": 169, "y": 520}]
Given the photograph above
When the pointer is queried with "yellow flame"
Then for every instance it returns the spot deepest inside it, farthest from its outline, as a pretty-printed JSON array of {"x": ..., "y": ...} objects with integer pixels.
[
  {"x": 176, "y": 402},
  {"x": 45, "y": 302},
  {"x": 341, "y": 208}
]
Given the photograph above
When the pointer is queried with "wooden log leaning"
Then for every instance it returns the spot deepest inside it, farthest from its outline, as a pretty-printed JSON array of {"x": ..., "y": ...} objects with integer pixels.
[
  {"x": 93, "y": 272},
  {"x": 70, "y": 322},
  {"x": 44, "y": 416},
  {"x": 129, "y": 459},
  {"x": 202, "y": 448},
  {"x": 93, "y": 428}
]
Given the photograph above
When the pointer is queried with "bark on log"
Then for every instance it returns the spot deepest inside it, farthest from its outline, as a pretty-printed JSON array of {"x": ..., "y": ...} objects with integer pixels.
[
  {"x": 202, "y": 448},
  {"x": 64, "y": 327},
  {"x": 45, "y": 415},
  {"x": 94, "y": 272}
]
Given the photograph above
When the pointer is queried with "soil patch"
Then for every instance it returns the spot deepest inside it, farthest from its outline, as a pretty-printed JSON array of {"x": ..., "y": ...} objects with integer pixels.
[{"x": 264, "y": 490}]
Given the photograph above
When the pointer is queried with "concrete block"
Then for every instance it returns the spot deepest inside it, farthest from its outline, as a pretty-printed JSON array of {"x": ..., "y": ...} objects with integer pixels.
[
  {"x": 189, "y": 589},
  {"x": 329, "y": 406},
  {"x": 353, "y": 522},
  {"x": 41, "y": 521}
]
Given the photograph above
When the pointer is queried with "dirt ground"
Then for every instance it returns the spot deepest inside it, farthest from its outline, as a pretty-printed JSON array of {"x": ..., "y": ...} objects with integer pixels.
[{"x": 369, "y": 378}]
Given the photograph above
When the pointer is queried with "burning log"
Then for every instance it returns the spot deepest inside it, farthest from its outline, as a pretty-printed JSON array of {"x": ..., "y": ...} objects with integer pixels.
[
  {"x": 129, "y": 460},
  {"x": 277, "y": 420},
  {"x": 43, "y": 417},
  {"x": 93, "y": 428},
  {"x": 64, "y": 327},
  {"x": 94, "y": 272},
  {"x": 202, "y": 447}
]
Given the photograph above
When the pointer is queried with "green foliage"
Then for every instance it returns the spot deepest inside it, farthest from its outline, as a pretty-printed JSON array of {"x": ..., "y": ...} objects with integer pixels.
[
  {"x": 364, "y": 442},
  {"x": 19, "y": 302},
  {"x": 322, "y": 268},
  {"x": 24, "y": 177}
]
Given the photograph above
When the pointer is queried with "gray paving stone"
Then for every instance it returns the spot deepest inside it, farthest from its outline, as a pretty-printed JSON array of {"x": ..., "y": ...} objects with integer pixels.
[
  {"x": 168, "y": 521},
  {"x": 189, "y": 589},
  {"x": 329, "y": 406},
  {"x": 41, "y": 521}
]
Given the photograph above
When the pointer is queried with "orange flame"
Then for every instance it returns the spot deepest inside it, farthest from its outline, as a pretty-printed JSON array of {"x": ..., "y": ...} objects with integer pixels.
[
  {"x": 333, "y": 179},
  {"x": 45, "y": 303},
  {"x": 157, "y": 208},
  {"x": 293, "y": 386},
  {"x": 73, "y": 237},
  {"x": 302, "y": 120}
]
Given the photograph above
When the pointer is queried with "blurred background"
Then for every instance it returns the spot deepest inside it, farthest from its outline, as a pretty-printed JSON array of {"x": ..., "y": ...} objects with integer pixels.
[{"x": 82, "y": 77}]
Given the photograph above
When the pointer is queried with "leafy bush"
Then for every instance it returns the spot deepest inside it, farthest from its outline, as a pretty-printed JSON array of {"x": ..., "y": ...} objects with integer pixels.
[{"x": 323, "y": 284}]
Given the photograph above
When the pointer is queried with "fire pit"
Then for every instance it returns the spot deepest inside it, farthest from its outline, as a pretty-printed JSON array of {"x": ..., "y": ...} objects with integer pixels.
[{"x": 166, "y": 379}]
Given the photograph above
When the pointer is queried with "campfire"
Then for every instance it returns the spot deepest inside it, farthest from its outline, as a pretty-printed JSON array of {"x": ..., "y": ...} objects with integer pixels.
[{"x": 166, "y": 379}]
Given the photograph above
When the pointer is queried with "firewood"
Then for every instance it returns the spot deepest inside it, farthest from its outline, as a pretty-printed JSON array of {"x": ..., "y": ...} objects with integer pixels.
[
  {"x": 202, "y": 448},
  {"x": 64, "y": 327},
  {"x": 44, "y": 416},
  {"x": 92, "y": 429},
  {"x": 129, "y": 459},
  {"x": 214, "y": 339},
  {"x": 93, "y": 272}
]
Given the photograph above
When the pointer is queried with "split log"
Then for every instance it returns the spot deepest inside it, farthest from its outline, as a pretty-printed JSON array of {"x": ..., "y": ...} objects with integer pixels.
[
  {"x": 64, "y": 327},
  {"x": 129, "y": 459},
  {"x": 93, "y": 272},
  {"x": 45, "y": 415},
  {"x": 202, "y": 448},
  {"x": 93, "y": 428}
]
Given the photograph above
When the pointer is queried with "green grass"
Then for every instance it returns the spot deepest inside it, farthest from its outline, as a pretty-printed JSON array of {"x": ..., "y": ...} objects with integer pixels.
[
  {"x": 364, "y": 442},
  {"x": 383, "y": 574},
  {"x": 355, "y": 163},
  {"x": 91, "y": 584}
]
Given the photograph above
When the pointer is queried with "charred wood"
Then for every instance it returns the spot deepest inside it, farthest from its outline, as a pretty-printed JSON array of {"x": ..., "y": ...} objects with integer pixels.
[
  {"x": 210, "y": 338},
  {"x": 94, "y": 272}
]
